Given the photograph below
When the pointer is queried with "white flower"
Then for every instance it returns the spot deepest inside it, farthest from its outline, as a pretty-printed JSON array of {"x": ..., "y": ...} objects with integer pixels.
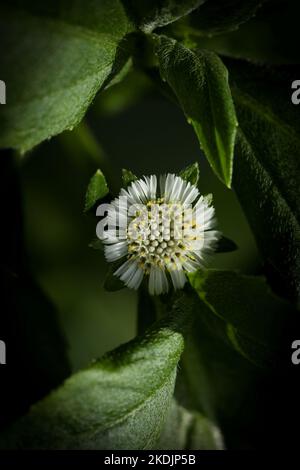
[{"x": 162, "y": 235}]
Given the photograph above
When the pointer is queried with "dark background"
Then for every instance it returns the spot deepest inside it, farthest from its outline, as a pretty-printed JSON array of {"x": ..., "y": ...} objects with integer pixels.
[{"x": 45, "y": 234}]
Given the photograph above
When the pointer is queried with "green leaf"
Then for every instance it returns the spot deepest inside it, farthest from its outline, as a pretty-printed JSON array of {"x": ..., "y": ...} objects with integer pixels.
[
  {"x": 55, "y": 58},
  {"x": 119, "y": 402},
  {"x": 191, "y": 173},
  {"x": 219, "y": 382},
  {"x": 259, "y": 40},
  {"x": 267, "y": 168},
  {"x": 252, "y": 317},
  {"x": 186, "y": 430},
  {"x": 97, "y": 189},
  {"x": 127, "y": 177},
  {"x": 200, "y": 82},
  {"x": 38, "y": 357},
  {"x": 225, "y": 245},
  {"x": 96, "y": 244},
  {"x": 151, "y": 14},
  {"x": 220, "y": 16}
]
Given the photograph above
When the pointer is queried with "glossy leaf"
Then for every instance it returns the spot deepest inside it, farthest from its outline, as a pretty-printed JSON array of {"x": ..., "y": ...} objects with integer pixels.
[{"x": 200, "y": 82}]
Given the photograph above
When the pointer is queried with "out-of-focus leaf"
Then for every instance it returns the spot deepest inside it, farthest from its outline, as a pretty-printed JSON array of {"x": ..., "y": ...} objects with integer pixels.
[
  {"x": 261, "y": 39},
  {"x": 253, "y": 318},
  {"x": 96, "y": 244},
  {"x": 55, "y": 57},
  {"x": 267, "y": 167},
  {"x": 120, "y": 402},
  {"x": 186, "y": 430},
  {"x": 97, "y": 190},
  {"x": 113, "y": 283},
  {"x": 200, "y": 82},
  {"x": 219, "y": 16},
  {"x": 127, "y": 177},
  {"x": 151, "y": 14},
  {"x": 147, "y": 310},
  {"x": 37, "y": 358},
  {"x": 191, "y": 173},
  {"x": 126, "y": 93},
  {"x": 225, "y": 245}
]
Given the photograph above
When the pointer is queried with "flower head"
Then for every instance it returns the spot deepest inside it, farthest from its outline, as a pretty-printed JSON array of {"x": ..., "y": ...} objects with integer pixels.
[{"x": 160, "y": 233}]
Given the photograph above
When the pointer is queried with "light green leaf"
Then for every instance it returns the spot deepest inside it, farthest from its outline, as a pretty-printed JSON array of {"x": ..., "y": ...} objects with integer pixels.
[
  {"x": 267, "y": 168},
  {"x": 219, "y": 16},
  {"x": 120, "y": 402},
  {"x": 252, "y": 318},
  {"x": 151, "y": 14},
  {"x": 127, "y": 177},
  {"x": 186, "y": 430},
  {"x": 191, "y": 173},
  {"x": 97, "y": 189},
  {"x": 55, "y": 57},
  {"x": 200, "y": 82}
]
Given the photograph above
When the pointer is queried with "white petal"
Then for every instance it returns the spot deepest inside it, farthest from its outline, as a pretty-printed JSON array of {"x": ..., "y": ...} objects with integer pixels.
[
  {"x": 158, "y": 283},
  {"x": 189, "y": 195},
  {"x": 190, "y": 265},
  {"x": 177, "y": 189},
  {"x": 178, "y": 278},
  {"x": 136, "y": 279},
  {"x": 115, "y": 251},
  {"x": 162, "y": 184},
  {"x": 130, "y": 274},
  {"x": 168, "y": 186}
]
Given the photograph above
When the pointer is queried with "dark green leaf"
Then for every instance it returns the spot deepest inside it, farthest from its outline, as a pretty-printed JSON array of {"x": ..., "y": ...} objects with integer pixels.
[
  {"x": 54, "y": 59},
  {"x": 270, "y": 37},
  {"x": 37, "y": 350},
  {"x": 225, "y": 245},
  {"x": 97, "y": 189},
  {"x": 218, "y": 382},
  {"x": 200, "y": 82},
  {"x": 120, "y": 402},
  {"x": 111, "y": 282},
  {"x": 191, "y": 173},
  {"x": 151, "y": 14},
  {"x": 127, "y": 177},
  {"x": 146, "y": 311},
  {"x": 186, "y": 430},
  {"x": 219, "y": 16},
  {"x": 96, "y": 244},
  {"x": 267, "y": 167},
  {"x": 253, "y": 318}
]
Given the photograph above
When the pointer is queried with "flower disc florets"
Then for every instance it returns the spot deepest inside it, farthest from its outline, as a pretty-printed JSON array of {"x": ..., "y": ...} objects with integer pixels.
[{"x": 162, "y": 236}]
